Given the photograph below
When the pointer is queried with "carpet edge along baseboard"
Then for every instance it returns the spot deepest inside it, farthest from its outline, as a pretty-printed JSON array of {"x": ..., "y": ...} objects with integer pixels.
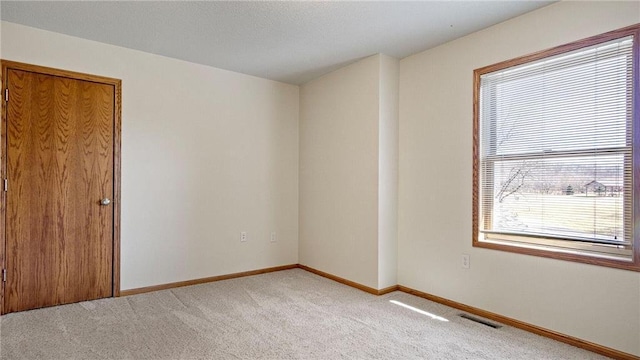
[
  {"x": 353, "y": 284},
  {"x": 177, "y": 284},
  {"x": 554, "y": 335},
  {"x": 584, "y": 344}
]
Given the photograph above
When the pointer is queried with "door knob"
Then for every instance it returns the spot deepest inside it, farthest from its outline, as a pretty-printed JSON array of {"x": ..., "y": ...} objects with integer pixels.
[{"x": 105, "y": 201}]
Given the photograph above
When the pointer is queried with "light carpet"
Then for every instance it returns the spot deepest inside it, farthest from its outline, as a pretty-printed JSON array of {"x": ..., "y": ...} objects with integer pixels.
[{"x": 290, "y": 314}]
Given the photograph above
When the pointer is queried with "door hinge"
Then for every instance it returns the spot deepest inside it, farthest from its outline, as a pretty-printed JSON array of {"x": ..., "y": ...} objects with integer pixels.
[
  {"x": 4, "y": 275},
  {"x": 6, "y": 185},
  {"x": 6, "y": 94}
]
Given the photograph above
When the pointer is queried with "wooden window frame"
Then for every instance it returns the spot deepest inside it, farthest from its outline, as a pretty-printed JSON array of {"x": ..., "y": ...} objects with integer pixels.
[{"x": 575, "y": 256}]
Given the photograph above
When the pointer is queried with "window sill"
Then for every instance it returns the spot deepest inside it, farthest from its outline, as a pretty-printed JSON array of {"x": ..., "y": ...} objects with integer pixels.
[{"x": 564, "y": 254}]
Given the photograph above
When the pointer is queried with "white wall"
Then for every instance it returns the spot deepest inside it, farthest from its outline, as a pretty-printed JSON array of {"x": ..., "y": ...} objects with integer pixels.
[
  {"x": 349, "y": 172},
  {"x": 593, "y": 303},
  {"x": 388, "y": 173},
  {"x": 206, "y": 154},
  {"x": 339, "y": 172}
]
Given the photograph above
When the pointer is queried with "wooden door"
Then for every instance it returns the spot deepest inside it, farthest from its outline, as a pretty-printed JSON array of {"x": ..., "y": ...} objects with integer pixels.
[{"x": 59, "y": 211}]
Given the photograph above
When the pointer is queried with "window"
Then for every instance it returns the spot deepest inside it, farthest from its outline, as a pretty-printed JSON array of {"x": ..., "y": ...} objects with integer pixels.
[{"x": 557, "y": 152}]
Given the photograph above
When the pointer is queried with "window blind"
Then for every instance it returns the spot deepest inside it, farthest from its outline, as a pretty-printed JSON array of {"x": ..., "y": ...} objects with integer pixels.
[{"x": 556, "y": 149}]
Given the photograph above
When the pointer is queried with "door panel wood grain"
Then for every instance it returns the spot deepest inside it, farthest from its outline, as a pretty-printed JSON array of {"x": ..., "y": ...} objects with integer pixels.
[{"x": 60, "y": 163}]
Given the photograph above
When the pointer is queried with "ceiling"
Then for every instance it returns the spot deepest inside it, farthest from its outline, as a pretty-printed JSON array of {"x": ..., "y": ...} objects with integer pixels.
[{"x": 292, "y": 42}]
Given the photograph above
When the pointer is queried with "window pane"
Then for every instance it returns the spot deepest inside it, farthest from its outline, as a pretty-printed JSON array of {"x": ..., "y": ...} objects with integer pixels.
[
  {"x": 570, "y": 102},
  {"x": 579, "y": 197}
]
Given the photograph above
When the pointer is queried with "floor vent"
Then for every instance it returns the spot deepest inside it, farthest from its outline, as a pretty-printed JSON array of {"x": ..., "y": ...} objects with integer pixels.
[{"x": 480, "y": 321}]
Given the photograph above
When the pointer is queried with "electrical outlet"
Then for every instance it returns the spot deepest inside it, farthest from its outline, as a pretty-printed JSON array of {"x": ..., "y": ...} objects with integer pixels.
[
  {"x": 243, "y": 236},
  {"x": 273, "y": 236},
  {"x": 465, "y": 261}
]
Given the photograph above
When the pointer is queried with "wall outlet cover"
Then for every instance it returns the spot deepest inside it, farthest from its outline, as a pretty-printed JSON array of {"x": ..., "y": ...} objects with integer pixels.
[{"x": 465, "y": 261}]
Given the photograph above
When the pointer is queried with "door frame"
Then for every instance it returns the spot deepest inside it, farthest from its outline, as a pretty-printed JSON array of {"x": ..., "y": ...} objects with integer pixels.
[{"x": 7, "y": 65}]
